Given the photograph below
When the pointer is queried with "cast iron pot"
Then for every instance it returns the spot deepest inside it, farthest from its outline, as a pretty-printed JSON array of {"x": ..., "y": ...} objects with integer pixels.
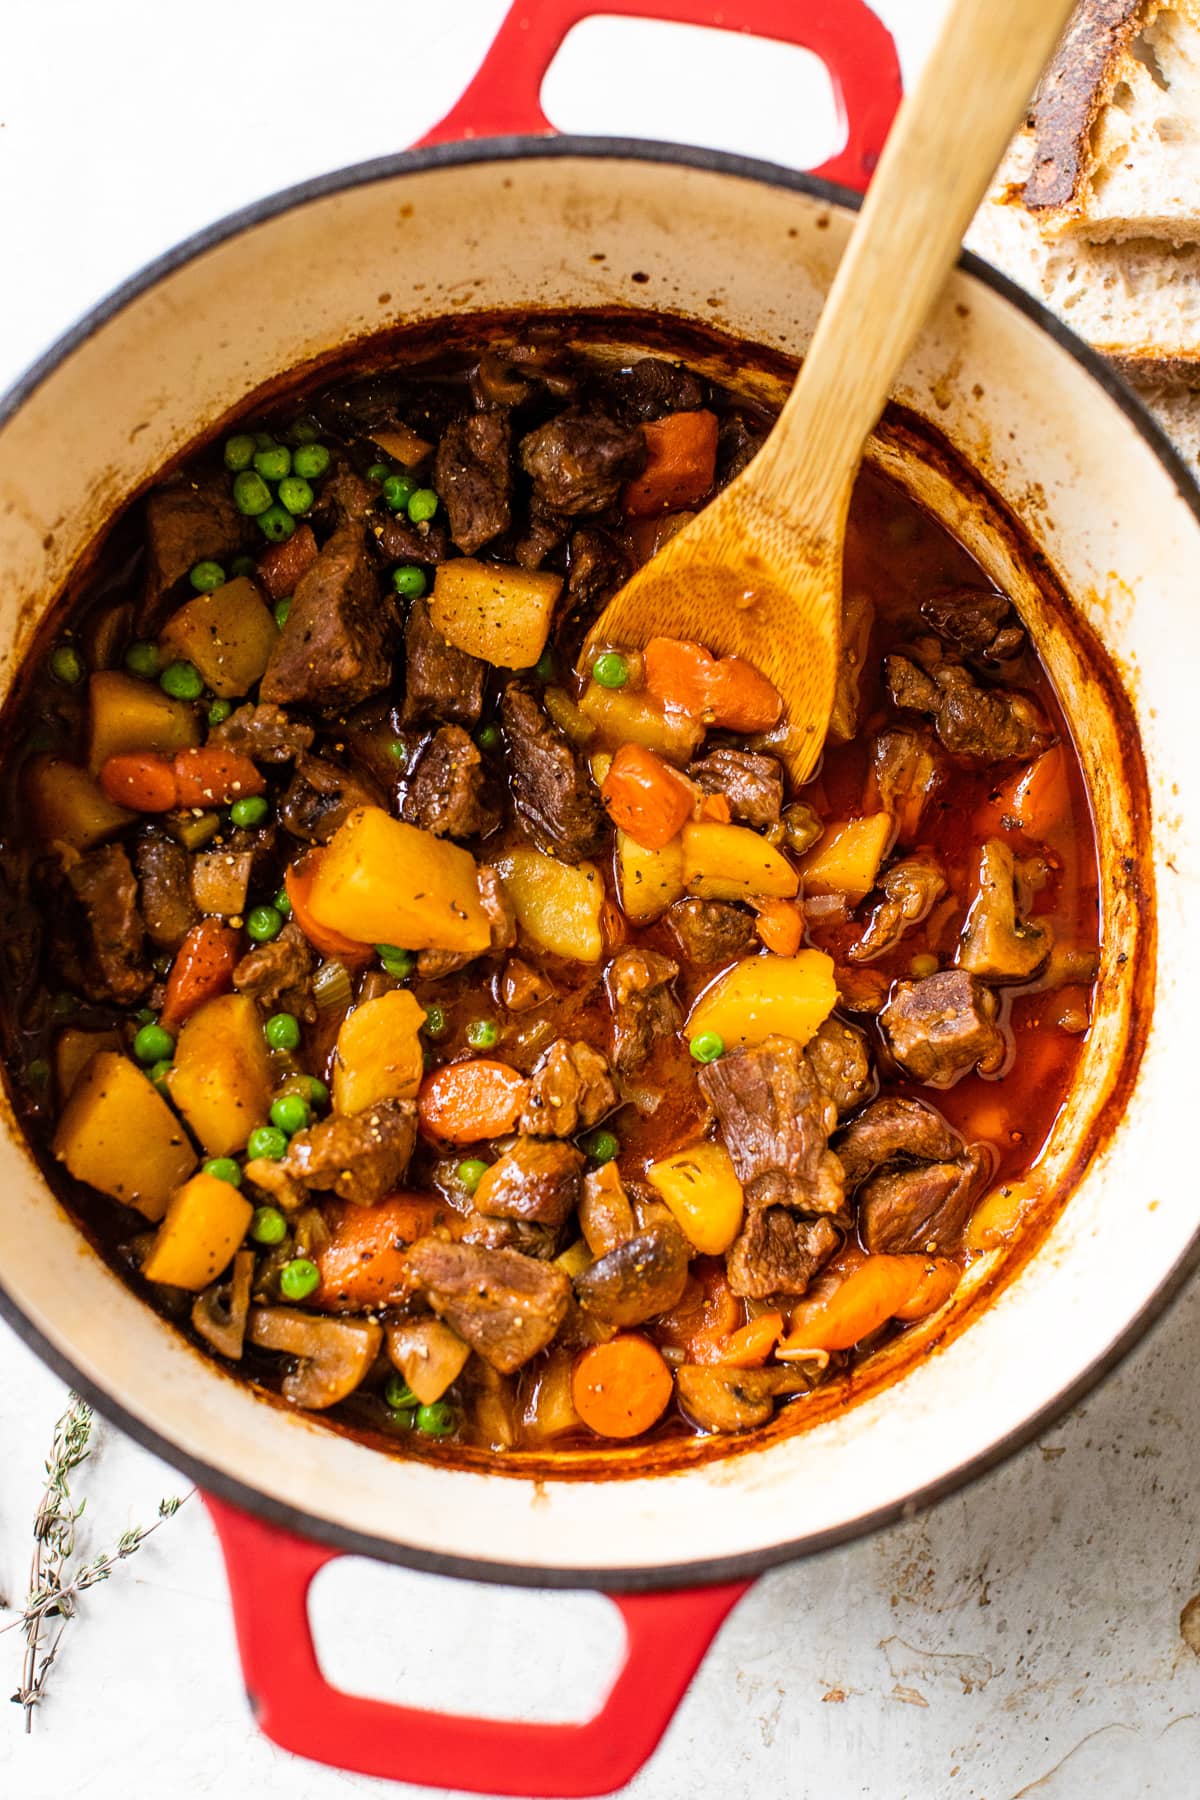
[{"x": 639, "y": 231}]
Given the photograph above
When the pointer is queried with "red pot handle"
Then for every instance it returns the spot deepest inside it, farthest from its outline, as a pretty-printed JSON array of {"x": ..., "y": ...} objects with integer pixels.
[
  {"x": 856, "y": 48},
  {"x": 269, "y": 1576}
]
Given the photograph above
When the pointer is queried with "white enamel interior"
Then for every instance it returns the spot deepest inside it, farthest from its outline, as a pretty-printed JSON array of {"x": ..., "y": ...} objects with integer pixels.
[{"x": 754, "y": 259}]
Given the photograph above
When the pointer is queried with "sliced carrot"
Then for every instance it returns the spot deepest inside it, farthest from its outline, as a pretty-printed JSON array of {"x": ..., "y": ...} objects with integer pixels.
[
  {"x": 622, "y": 1387},
  {"x": 298, "y": 880},
  {"x": 646, "y": 798},
  {"x": 203, "y": 968},
  {"x": 465, "y": 1102},
  {"x": 750, "y": 1347},
  {"x": 281, "y": 566},
  {"x": 363, "y": 1265},
  {"x": 716, "y": 807},
  {"x": 146, "y": 783},
  {"x": 707, "y": 1315},
  {"x": 1037, "y": 797},
  {"x": 212, "y": 776},
  {"x": 729, "y": 691},
  {"x": 742, "y": 699},
  {"x": 678, "y": 674},
  {"x": 780, "y": 925},
  {"x": 938, "y": 1282},
  {"x": 844, "y": 1314},
  {"x": 681, "y": 458}
]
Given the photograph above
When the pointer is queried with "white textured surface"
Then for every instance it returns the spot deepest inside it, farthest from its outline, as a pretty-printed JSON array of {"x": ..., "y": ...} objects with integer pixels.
[{"x": 1022, "y": 1638}]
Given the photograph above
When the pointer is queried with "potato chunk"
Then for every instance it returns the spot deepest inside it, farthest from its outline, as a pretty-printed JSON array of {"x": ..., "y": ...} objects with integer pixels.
[
  {"x": 68, "y": 807},
  {"x": 205, "y": 1222},
  {"x": 221, "y": 1077},
  {"x": 228, "y": 635},
  {"x": 649, "y": 880},
  {"x": 380, "y": 881},
  {"x": 557, "y": 904},
  {"x": 498, "y": 613},
  {"x": 127, "y": 714},
  {"x": 730, "y": 862},
  {"x": 624, "y": 717},
  {"x": 847, "y": 859},
  {"x": 118, "y": 1134},
  {"x": 701, "y": 1188},
  {"x": 765, "y": 995},
  {"x": 379, "y": 1052}
]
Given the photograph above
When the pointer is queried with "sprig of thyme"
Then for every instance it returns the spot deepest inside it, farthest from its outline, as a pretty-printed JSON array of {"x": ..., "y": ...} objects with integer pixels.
[{"x": 54, "y": 1584}]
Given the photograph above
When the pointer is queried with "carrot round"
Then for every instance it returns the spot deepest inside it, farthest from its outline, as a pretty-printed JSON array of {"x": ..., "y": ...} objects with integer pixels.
[
  {"x": 870, "y": 1295},
  {"x": 780, "y": 925},
  {"x": 465, "y": 1102},
  {"x": 681, "y": 456},
  {"x": 677, "y": 674},
  {"x": 1034, "y": 800},
  {"x": 750, "y": 1347},
  {"x": 646, "y": 798},
  {"x": 144, "y": 782},
  {"x": 363, "y": 1264},
  {"x": 298, "y": 880},
  {"x": 203, "y": 968},
  {"x": 622, "y": 1387},
  {"x": 716, "y": 807},
  {"x": 742, "y": 699},
  {"x": 935, "y": 1287},
  {"x": 729, "y": 692},
  {"x": 706, "y": 1317},
  {"x": 211, "y": 776}
]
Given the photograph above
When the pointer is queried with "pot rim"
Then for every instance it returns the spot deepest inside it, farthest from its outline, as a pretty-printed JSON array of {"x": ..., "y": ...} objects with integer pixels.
[{"x": 715, "y": 1569}]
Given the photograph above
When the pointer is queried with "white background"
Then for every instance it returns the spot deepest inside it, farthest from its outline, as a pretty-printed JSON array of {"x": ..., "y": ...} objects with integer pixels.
[{"x": 1023, "y": 1638}]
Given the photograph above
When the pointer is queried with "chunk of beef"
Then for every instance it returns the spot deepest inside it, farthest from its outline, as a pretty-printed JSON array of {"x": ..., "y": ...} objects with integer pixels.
[
  {"x": 996, "y": 945},
  {"x": 710, "y": 931},
  {"x": 939, "y": 1028},
  {"x": 360, "y": 1157},
  {"x": 320, "y": 797},
  {"x": 905, "y": 768},
  {"x": 441, "y": 682},
  {"x": 537, "y": 1180},
  {"x": 278, "y": 974},
  {"x": 894, "y": 1129},
  {"x": 333, "y": 651},
  {"x": 554, "y": 797},
  {"x": 975, "y": 622},
  {"x": 841, "y": 1063},
  {"x": 186, "y": 523},
  {"x": 640, "y": 1278},
  {"x": 402, "y": 541},
  {"x": 505, "y": 1305},
  {"x": 163, "y": 874},
  {"x": 263, "y": 733},
  {"x": 911, "y": 889},
  {"x": 580, "y": 460},
  {"x": 738, "y": 443},
  {"x": 596, "y": 568},
  {"x": 357, "y": 408},
  {"x": 862, "y": 990},
  {"x": 775, "y": 1118},
  {"x": 571, "y": 1089},
  {"x": 473, "y": 477},
  {"x": 858, "y": 616},
  {"x": 540, "y": 1241},
  {"x": 544, "y": 535},
  {"x": 638, "y": 984},
  {"x": 777, "y": 1253},
  {"x": 344, "y": 498},
  {"x": 653, "y": 387},
  {"x": 446, "y": 794},
  {"x": 752, "y": 784},
  {"x": 988, "y": 724},
  {"x": 114, "y": 965},
  {"x": 921, "y": 1211},
  {"x": 502, "y": 921},
  {"x": 523, "y": 987}
]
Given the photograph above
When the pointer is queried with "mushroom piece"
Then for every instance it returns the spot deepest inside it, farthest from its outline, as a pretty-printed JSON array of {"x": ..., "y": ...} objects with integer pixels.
[
  {"x": 910, "y": 888},
  {"x": 334, "y": 1354},
  {"x": 995, "y": 944},
  {"x": 219, "y": 1313},
  {"x": 641, "y": 1277},
  {"x": 428, "y": 1354},
  {"x": 720, "y": 1399}
]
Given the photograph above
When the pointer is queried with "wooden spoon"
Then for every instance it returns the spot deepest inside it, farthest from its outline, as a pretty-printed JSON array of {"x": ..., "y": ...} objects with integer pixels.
[{"x": 758, "y": 573}]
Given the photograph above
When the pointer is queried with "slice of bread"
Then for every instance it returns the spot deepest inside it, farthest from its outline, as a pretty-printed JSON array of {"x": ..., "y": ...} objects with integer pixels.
[{"x": 1116, "y": 126}]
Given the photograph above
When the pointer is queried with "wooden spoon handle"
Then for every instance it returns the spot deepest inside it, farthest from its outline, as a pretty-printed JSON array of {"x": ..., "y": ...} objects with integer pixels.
[{"x": 948, "y": 137}]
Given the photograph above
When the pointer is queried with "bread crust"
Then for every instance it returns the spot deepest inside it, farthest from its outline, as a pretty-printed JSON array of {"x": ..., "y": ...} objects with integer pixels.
[{"x": 1075, "y": 87}]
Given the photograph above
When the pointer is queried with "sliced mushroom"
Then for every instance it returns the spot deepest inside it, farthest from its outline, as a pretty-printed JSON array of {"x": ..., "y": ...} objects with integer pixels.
[
  {"x": 219, "y": 1313},
  {"x": 641, "y": 1277},
  {"x": 720, "y": 1399},
  {"x": 428, "y": 1354},
  {"x": 605, "y": 1215},
  {"x": 996, "y": 945},
  {"x": 550, "y": 1408},
  {"x": 334, "y": 1354}
]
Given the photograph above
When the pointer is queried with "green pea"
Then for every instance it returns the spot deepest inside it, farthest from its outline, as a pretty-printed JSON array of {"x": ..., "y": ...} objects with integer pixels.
[
  {"x": 318, "y": 1093},
  {"x": 543, "y": 668},
  {"x": 273, "y": 464},
  {"x": 299, "y": 1278},
  {"x": 471, "y": 1173},
  {"x": 251, "y": 495},
  {"x": 263, "y": 924},
  {"x": 282, "y": 903},
  {"x": 282, "y": 609},
  {"x": 409, "y": 581},
  {"x": 488, "y": 737},
  {"x": 158, "y": 1075},
  {"x": 282, "y": 1031},
  {"x": 396, "y": 962},
  {"x": 205, "y": 576},
  {"x": 304, "y": 431},
  {"x": 378, "y": 472},
  {"x": 182, "y": 681},
  {"x": 296, "y": 494},
  {"x": 602, "y": 1146},
  {"x": 67, "y": 665},
  {"x": 398, "y": 490},
  {"x": 435, "y": 1022},
  {"x": 422, "y": 505},
  {"x": 483, "y": 1034},
  {"x": 438, "y": 1420},
  {"x": 610, "y": 670},
  {"x": 398, "y": 1395},
  {"x": 152, "y": 1044},
  {"x": 267, "y": 1142},
  {"x": 142, "y": 659},
  {"x": 706, "y": 1046},
  {"x": 65, "y": 1005},
  {"x": 251, "y": 810},
  {"x": 310, "y": 461},
  {"x": 243, "y": 565},
  {"x": 38, "y": 1072},
  {"x": 398, "y": 751},
  {"x": 219, "y": 711},
  {"x": 291, "y": 1114},
  {"x": 276, "y": 523},
  {"x": 146, "y": 1015},
  {"x": 239, "y": 452},
  {"x": 223, "y": 1168},
  {"x": 268, "y": 1225}
]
